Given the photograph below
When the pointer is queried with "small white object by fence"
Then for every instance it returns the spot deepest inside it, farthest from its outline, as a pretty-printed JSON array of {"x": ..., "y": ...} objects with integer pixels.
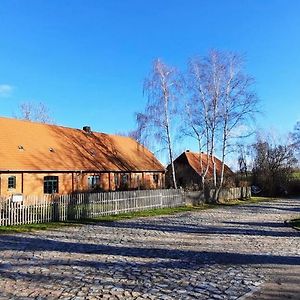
[
  {"x": 17, "y": 198},
  {"x": 42, "y": 209}
]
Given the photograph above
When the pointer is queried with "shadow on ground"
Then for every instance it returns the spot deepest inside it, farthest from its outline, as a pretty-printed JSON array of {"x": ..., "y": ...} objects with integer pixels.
[{"x": 187, "y": 257}]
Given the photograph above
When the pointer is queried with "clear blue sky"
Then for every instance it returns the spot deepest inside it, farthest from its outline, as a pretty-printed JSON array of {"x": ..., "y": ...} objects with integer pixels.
[{"x": 87, "y": 59}]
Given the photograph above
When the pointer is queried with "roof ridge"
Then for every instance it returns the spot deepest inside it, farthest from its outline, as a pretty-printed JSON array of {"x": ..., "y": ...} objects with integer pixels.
[
  {"x": 194, "y": 152},
  {"x": 35, "y": 122},
  {"x": 54, "y": 125}
]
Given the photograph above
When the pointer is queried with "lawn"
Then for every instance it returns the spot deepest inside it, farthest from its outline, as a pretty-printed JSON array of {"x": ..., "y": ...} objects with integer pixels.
[{"x": 34, "y": 227}]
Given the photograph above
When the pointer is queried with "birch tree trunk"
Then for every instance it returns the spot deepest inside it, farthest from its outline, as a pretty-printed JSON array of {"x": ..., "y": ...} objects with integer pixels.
[
  {"x": 162, "y": 88},
  {"x": 169, "y": 140},
  {"x": 226, "y": 101}
]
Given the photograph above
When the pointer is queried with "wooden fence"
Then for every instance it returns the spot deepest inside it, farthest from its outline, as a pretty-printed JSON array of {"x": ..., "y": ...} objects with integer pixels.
[
  {"x": 42, "y": 209},
  {"x": 199, "y": 197},
  {"x": 234, "y": 193}
]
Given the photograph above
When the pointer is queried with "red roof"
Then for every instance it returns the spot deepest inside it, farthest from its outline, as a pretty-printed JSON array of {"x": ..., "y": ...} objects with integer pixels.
[
  {"x": 193, "y": 159},
  {"x": 26, "y": 145}
]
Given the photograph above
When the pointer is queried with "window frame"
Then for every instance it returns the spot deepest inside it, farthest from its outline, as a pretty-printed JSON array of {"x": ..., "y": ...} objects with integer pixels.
[
  {"x": 11, "y": 182},
  {"x": 51, "y": 184},
  {"x": 156, "y": 178},
  {"x": 116, "y": 180},
  {"x": 124, "y": 178},
  {"x": 94, "y": 181}
]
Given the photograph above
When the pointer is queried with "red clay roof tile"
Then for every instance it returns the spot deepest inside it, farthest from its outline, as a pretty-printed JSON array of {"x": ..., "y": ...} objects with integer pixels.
[
  {"x": 26, "y": 145},
  {"x": 194, "y": 161}
]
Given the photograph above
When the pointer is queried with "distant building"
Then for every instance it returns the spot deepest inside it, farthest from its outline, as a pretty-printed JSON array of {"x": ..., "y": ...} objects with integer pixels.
[
  {"x": 39, "y": 158},
  {"x": 188, "y": 170}
]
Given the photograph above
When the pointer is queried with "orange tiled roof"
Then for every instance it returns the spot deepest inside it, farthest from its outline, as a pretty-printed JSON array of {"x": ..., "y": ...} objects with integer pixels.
[
  {"x": 194, "y": 161},
  {"x": 46, "y": 147}
]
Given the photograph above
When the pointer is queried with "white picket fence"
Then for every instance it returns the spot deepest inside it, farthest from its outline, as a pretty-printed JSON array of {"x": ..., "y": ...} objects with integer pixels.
[{"x": 42, "y": 209}]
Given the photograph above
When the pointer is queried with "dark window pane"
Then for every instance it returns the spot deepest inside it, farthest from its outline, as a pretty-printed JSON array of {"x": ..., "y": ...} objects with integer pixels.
[
  {"x": 50, "y": 184},
  {"x": 93, "y": 181},
  {"x": 124, "y": 178},
  {"x": 116, "y": 179},
  {"x": 155, "y": 178},
  {"x": 12, "y": 182}
]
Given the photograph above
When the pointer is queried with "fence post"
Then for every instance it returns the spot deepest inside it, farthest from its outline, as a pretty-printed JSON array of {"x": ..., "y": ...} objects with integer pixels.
[{"x": 75, "y": 206}]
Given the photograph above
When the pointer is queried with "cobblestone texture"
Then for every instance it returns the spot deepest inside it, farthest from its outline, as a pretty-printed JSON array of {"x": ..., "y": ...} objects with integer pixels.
[{"x": 214, "y": 254}]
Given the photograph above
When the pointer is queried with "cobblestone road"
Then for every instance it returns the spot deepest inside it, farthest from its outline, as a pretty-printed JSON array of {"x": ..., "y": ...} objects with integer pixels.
[{"x": 214, "y": 254}]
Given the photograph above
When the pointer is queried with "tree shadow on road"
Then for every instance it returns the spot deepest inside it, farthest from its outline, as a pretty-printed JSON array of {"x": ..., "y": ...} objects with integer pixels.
[
  {"x": 184, "y": 258},
  {"x": 203, "y": 229},
  {"x": 258, "y": 224},
  {"x": 289, "y": 208}
]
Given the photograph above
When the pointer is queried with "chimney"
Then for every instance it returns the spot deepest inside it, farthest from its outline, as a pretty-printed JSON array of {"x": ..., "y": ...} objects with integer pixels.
[
  {"x": 87, "y": 129},
  {"x": 187, "y": 150}
]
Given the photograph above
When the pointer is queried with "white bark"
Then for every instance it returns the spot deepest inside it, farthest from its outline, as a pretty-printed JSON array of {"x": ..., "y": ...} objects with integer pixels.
[
  {"x": 161, "y": 88},
  {"x": 226, "y": 102}
]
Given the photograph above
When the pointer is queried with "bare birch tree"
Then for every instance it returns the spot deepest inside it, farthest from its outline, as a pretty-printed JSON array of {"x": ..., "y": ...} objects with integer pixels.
[
  {"x": 238, "y": 103},
  {"x": 34, "y": 112},
  {"x": 161, "y": 87},
  {"x": 223, "y": 100},
  {"x": 196, "y": 113},
  {"x": 131, "y": 133}
]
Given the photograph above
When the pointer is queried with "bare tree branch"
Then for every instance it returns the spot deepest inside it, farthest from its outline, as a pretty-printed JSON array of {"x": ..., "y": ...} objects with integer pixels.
[
  {"x": 161, "y": 87},
  {"x": 222, "y": 99},
  {"x": 34, "y": 112}
]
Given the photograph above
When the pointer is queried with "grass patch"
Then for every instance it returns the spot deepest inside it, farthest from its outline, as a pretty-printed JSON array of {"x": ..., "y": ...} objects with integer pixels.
[
  {"x": 110, "y": 218},
  {"x": 34, "y": 227},
  {"x": 170, "y": 211},
  {"x": 126, "y": 216},
  {"x": 260, "y": 199},
  {"x": 252, "y": 200},
  {"x": 148, "y": 213}
]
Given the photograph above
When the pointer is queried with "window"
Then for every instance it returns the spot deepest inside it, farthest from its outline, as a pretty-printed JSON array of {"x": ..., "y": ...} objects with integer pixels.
[
  {"x": 124, "y": 178},
  {"x": 155, "y": 178},
  {"x": 11, "y": 182},
  {"x": 93, "y": 181},
  {"x": 116, "y": 177},
  {"x": 50, "y": 184}
]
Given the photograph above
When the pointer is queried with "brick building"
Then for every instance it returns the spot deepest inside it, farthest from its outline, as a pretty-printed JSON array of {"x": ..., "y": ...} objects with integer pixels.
[
  {"x": 39, "y": 158},
  {"x": 188, "y": 170}
]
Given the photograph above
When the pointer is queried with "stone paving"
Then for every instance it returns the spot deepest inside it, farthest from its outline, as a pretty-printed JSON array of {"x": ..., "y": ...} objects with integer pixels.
[{"x": 222, "y": 253}]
